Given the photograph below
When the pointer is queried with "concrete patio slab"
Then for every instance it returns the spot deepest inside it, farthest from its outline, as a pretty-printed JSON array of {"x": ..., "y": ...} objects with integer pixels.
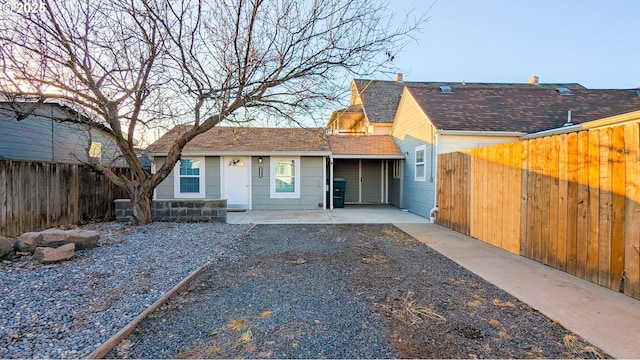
[{"x": 350, "y": 214}]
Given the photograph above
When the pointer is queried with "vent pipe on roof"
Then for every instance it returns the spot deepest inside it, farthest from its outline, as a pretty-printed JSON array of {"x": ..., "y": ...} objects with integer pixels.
[
  {"x": 534, "y": 80},
  {"x": 399, "y": 77},
  {"x": 568, "y": 123}
]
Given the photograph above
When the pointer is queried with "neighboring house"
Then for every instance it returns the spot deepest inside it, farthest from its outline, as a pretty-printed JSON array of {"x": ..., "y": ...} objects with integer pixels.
[
  {"x": 41, "y": 132},
  {"x": 277, "y": 168}
]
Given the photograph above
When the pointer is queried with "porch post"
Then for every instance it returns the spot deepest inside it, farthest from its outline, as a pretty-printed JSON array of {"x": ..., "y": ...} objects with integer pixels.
[{"x": 331, "y": 182}]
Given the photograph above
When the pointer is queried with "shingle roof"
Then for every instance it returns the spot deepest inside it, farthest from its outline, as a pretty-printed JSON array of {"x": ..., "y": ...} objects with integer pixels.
[
  {"x": 380, "y": 99},
  {"x": 368, "y": 145},
  {"x": 246, "y": 139},
  {"x": 526, "y": 109},
  {"x": 223, "y": 139}
]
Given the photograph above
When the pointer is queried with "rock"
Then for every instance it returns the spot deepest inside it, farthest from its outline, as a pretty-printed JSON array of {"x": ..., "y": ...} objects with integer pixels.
[
  {"x": 47, "y": 255},
  {"x": 6, "y": 247},
  {"x": 84, "y": 239},
  {"x": 28, "y": 242}
]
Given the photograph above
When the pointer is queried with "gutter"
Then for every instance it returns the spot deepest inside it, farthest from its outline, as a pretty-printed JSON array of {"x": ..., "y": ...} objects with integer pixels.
[
  {"x": 616, "y": 120},
  {"x": 481, "y": 133},
  {"x": 245, "y": 153}
]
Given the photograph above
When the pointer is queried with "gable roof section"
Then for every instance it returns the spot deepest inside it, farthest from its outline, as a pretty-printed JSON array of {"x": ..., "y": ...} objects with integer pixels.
[
  {"x": 247, "y": 140},
  {"x": 369, "y": 146},
  {"x": 379, "y": 99},
  {"x": 525, "y": 109}
]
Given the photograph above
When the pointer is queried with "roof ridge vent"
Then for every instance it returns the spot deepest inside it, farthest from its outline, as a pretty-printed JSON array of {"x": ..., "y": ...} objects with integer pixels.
[
  {"x": 446, "y": 89},
  {"x": 563, "y": 90}
]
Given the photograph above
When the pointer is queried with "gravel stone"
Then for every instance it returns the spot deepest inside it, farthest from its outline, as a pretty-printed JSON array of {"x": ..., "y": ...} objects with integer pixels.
[
  {"x": 345, "y": 291},
  {"x": 67, "y": 310}
]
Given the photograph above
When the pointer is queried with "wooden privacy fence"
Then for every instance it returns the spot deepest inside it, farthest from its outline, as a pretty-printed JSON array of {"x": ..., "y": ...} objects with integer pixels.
[
  {"x": 39, "y": 195},
  {"x": 570, "y": 201}
]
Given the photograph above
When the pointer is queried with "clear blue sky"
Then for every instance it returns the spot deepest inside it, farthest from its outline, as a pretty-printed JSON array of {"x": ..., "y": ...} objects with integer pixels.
[{"x": 592, "y": 42}]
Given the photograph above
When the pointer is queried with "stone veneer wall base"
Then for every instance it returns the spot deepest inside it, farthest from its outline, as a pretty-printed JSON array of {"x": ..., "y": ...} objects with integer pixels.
[{"x": 181, "y": 210}]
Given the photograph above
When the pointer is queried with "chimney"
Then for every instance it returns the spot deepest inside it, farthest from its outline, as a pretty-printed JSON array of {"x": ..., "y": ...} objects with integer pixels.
[
  {"x": 399, "y": 77},
  {"x": 533, "y": 80}
]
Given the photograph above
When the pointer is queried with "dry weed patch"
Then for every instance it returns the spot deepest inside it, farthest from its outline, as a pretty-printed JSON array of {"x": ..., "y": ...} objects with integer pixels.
[
  {"x": 578, "y": 348},
  {"x": 413, "y": 313},
  {"x": 498, "y": 302}
]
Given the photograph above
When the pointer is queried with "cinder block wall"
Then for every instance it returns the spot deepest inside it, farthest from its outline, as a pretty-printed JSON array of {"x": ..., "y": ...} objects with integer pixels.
[{"x": 210, "y": 210}]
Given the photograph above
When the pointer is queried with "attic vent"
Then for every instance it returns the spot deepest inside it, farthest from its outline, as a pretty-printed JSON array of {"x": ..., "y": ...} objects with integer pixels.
[
  {"x": 446, "y": 89},
  {"x": 563, "y": 91}
]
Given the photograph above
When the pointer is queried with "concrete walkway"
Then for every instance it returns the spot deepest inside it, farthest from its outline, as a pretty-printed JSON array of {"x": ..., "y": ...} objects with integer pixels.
[{"x": 606, "y": 319}]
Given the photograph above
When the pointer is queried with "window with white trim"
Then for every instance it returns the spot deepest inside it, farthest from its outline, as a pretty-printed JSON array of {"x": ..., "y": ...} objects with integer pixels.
[
  {"x": 420, "y": 164},
  {"x": 285, "y": 177},
  {"x": 189, "y": 178}
]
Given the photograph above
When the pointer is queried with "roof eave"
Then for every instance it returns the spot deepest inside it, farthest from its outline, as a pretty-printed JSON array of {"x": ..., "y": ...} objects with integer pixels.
[
  {"x": 245, "y": 153},
  {"x": 480, "y": 133}
]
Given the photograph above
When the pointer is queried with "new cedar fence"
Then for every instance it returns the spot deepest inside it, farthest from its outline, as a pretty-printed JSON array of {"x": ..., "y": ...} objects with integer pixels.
[
  {"x": 40, "y": 195},
  {"x": 570, "y": 201}
]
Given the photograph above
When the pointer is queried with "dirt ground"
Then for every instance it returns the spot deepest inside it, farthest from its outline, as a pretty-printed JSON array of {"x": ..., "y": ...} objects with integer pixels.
[{"x": 345, "y": 291}]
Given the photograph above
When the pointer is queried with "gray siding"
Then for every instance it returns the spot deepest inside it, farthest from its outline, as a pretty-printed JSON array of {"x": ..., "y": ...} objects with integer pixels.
[
  {"x": 312, "y": 189},
  {"x": 164, "y": 191},
  {"x": 412, "y": 128},
  {"x": 38, "y": 138},
  {"x": 371, "y": 182},
  {"x": 348, "y": 169},
  {"x": 394, "y": 187}
]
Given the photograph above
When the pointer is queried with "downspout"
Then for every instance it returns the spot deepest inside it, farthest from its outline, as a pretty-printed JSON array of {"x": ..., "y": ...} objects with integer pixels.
[{"x": 432, "y": 214}]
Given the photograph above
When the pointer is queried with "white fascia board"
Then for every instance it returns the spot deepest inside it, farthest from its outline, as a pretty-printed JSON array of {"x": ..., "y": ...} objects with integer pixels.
[
  {"x": 248, "y": 153},
  {"x": 479, "y": 133},
  {"x": 373, "y": 157},
  {"x": 616, "y": 120}
]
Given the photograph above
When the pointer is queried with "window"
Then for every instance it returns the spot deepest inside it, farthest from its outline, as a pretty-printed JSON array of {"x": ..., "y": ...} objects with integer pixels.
[
  {"x": 95, "y": 151},
  {"x": 285, "y": 177},
  {"x": 189, "y": 178},
  {"x": 420, "y": 163},
  {"x": 396, "y": 169}
]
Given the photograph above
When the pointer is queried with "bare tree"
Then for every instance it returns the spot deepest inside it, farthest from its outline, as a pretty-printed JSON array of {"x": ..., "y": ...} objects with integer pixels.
[{"x": 136, "y": 64}]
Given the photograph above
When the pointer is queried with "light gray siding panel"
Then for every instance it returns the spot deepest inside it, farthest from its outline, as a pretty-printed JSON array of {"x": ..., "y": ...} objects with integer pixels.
[
  {"x": 212, "y": 177},
  {"x": 371, "y": 181},
  {"x": 165, "y": 189},
  {"x": 311, "y": 182},
  {"x": 348, "y": 169},
  {"x": 418, "y": 195},
  {"x": 394, "y": 187}
]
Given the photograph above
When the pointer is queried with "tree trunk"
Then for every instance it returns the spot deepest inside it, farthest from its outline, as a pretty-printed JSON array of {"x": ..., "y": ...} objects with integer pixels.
[{"x": 141, "y": 206}]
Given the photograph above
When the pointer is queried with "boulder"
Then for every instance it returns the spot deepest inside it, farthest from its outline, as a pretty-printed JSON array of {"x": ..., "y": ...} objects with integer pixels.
[
  {"x": 47, "y": 255},
  {"x": 84, "y": 239},
  {"x": 6, "y": 247},
  {"x": 28, "y": 242}
]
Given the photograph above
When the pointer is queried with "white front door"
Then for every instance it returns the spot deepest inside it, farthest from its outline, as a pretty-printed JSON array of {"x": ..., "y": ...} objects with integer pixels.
[{"x": 236, "y": 181}]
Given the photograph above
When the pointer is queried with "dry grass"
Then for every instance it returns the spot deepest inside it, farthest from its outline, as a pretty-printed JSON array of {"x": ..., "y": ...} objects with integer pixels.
[
  {"x": 244, "y": 339},
  {"x": 498, "y": 302},
  {"x": 413, "y": 313},
  {"x": 578, "y": 348},
  {"x": 375, "y": 259},
  {"x": 237, "y": 324}
]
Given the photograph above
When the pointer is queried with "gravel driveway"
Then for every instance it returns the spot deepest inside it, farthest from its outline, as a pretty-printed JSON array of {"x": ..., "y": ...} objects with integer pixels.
[{"x": 344, "y": 291}]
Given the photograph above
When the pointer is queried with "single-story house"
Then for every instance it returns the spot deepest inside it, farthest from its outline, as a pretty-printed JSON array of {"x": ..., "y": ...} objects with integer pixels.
[{"x": 278, "y": 168}]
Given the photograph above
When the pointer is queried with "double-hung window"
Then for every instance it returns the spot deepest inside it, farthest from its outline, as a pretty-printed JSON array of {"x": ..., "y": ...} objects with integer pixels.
[
  {"x": 285, "y": 177},
  {"x": 189, "y": 178},
  {"x": 420, "y": 164}
]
